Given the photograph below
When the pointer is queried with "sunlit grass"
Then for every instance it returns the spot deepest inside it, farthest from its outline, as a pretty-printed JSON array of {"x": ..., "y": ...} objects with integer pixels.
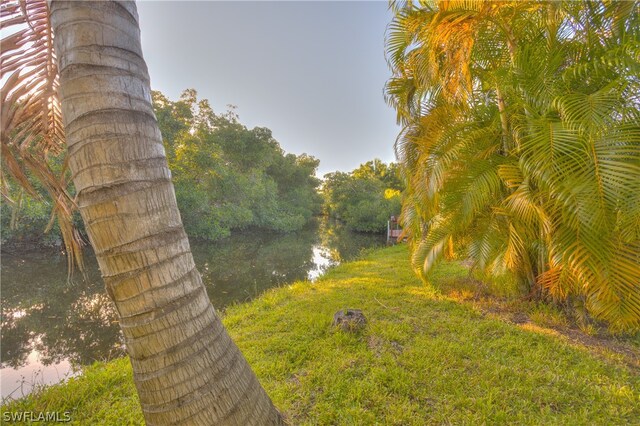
[{"x": 423, "y": 358}]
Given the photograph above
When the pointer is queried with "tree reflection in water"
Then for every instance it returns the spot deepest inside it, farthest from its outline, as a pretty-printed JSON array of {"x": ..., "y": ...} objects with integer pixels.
[{"x": 61, "y": 320}]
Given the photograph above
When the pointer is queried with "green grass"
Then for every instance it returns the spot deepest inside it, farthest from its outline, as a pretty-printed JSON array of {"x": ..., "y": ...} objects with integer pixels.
[{"x": 422, "y": 359}]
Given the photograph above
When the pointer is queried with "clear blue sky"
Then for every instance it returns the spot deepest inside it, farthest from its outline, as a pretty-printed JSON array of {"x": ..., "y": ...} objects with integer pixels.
[{"x": 312, "y": 72}]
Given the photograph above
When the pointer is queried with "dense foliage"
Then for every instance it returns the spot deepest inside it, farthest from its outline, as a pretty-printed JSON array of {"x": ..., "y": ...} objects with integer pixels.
[
  {"x": 364, "y": 198},
  {"x": 521, "y": 143},
  {"x": 225, "y": 176},
  {"x": 229, "y": 177}
]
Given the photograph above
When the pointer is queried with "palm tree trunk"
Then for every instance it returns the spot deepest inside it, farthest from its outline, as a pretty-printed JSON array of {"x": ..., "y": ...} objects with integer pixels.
[
  {"x": 186, "y": 368},
  {"x": 504, "y": 121}
]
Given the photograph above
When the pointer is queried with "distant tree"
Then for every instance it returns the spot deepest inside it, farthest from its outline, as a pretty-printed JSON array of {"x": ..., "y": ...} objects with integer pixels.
[{"x": 364, "y": 198}]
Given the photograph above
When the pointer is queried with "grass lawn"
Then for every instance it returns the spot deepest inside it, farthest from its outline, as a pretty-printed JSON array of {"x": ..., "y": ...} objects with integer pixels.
[{"x": 423, "y": 358}]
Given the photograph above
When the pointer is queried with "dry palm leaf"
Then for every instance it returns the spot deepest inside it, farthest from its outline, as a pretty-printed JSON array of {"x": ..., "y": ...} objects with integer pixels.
[{"x": 31, "y": 121}]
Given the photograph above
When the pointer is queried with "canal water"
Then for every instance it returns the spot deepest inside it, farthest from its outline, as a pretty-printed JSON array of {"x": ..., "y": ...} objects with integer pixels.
[{"x": 51, "y": 326}]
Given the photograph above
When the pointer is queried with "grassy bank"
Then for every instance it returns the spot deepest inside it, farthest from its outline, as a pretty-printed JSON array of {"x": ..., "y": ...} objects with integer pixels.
[{"x": 422, "y": 359}]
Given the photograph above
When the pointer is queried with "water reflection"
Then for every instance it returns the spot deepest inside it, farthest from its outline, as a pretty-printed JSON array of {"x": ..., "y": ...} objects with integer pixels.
[
  {"x": 43, "y": 312},
  {"x": 50, "y": 324}
]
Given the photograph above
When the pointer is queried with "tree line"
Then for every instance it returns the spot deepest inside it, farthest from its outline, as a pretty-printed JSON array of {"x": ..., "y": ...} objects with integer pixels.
[{"x": 226, "y": 177}]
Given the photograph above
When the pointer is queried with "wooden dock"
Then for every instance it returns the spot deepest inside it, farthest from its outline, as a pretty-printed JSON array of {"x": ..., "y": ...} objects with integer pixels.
[{"x": 393, "y": 230}]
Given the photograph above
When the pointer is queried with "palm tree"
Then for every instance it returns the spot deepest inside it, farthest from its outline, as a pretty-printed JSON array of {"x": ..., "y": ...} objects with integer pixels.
[
  {"x": 186, "y": 368},
  {"x": 521, "y": 143}
]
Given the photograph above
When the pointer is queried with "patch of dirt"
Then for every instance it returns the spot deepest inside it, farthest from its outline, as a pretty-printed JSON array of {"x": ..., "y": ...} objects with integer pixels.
[
  {"x": 378, "y": 345},
  {"x": 295, "y": 377},
  {"x": 629, "y": 353},
  {"x": 519, "y": 318},
  {"x": 397, "y": 346},
  {"x": 597, "y": 344}
]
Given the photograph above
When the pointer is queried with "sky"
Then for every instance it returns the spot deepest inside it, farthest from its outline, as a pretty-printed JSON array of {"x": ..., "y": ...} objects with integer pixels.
[{"x": 312, "y": 72}]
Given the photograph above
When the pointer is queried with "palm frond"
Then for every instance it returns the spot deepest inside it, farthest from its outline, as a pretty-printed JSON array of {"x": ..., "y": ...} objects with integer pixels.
[
  {"x": 521, "y": 140},
  {"x": 31, "y": 126}
]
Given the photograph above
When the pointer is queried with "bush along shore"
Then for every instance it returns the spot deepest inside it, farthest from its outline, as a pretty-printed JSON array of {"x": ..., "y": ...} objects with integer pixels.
[{"x": 422, "y": 357}]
